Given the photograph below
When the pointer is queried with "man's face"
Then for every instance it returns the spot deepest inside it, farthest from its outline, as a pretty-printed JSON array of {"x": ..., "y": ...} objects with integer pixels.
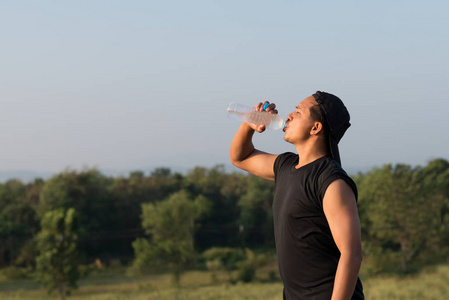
[{"x": 300, "y": 122}]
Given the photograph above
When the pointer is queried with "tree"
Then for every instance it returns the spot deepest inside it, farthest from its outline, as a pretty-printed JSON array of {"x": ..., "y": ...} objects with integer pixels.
[
  {"x": 171, "y": 225},
  {"x": 220, "y": 227},
  {"x": 397, "y": 209},
  {"x": 256, "y": 215},
  {"x": 435, "y": 178},
  {"x": 18, "y": 219},
  {"x": 57, "y": 263},
  {"x": 87, "y": 192},
  {"x": 127, "y": 196}
]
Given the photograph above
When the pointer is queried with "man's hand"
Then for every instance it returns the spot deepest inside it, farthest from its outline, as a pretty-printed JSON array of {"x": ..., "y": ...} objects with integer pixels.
[
  {"x": 269, "y": 107},
  {"x": 243, "y": 154}
]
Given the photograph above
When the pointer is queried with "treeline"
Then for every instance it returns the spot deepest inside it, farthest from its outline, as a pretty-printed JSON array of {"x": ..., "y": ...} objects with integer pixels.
[
  {"x": 110, "y": 210},
  {"x": 404, "y": 213}
]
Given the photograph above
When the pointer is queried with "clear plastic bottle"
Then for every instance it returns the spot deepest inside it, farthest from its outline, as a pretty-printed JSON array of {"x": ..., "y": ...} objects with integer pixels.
[{"x": 248, "y": 114}]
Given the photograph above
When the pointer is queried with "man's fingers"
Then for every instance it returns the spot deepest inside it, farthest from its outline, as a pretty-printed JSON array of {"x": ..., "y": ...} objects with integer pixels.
[
  {"x": 260, "y": 128},
  {"x": 267, "y": 106}
]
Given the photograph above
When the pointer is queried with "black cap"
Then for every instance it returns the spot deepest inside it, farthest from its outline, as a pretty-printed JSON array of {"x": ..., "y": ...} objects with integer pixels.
[{"x": 337, "y": 118}]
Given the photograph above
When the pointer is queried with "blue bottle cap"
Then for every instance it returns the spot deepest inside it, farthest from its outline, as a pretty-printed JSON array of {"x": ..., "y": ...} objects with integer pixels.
[{"x": 265, "y": 106}]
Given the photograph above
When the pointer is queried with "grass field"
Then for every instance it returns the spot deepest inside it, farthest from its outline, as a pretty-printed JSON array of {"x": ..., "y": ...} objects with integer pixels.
[{"x": 433, "y": 283}]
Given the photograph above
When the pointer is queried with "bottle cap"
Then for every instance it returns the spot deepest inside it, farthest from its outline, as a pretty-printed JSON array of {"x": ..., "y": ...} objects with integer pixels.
[{"x": 265, "y": 106}]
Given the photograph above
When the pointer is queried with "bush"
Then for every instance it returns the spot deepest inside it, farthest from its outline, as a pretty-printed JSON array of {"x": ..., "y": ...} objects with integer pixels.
[
  {"x": 377, "y": 261},
  {"x": 247, "y": 269},
  {"x": 228, "y": 257},
  {"x": 231, "y": 259},
  {"x": 247, "y": 272},
  {"x": 14, "y": 273},
  {"x": 213, "y": 265},
  {"x": 272, "y": 276}
]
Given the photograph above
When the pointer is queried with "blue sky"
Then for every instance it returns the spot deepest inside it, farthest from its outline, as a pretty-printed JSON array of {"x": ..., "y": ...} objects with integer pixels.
[{"x": 126, "y": 85}]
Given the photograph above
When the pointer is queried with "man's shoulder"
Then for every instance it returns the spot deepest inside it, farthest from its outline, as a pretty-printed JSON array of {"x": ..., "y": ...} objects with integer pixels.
[
  {"x": 287, "y": 155},
  {"x": 330, "y": 165},
  {"x": 284, "y": 157},
  {"x": 283, "y": 162},
  {"x": 332, "y": 171}
]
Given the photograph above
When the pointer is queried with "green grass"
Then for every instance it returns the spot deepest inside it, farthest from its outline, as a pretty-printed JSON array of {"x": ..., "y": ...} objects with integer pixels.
[{"x": 432, "y": 283}]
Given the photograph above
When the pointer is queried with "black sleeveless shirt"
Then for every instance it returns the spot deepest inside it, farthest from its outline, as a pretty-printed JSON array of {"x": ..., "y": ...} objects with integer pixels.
[{"x": 307, "y": 254}]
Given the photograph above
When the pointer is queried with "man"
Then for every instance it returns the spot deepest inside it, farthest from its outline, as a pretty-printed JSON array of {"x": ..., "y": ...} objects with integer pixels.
[{"x": 317, "y": 228}]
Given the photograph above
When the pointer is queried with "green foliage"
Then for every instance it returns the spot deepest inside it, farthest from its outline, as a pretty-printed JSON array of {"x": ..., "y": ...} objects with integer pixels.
[
  {"x": 228, "y": 258},
  {"x": 15, "y": 273},
  {"x": 87, "y": 192},
  {"x": 84, "y": 191},
  {"x": 247, "y": 268},
  {"x": 403, "y": 211},
  {"x": 247, "y": 272},
  {"x": 171, "y": 224},
  {"x": 126, "y": 197},
  {"x": 219, "y": 228},
  {"x": 27, "y": 254},
  {"x": 245, "y": 261},
  {"x": 223, "y": 259},
  {"x": 57, "y": 263},
  {"x": 256, "y": 217},
  {"x": 18, "y": 218}
]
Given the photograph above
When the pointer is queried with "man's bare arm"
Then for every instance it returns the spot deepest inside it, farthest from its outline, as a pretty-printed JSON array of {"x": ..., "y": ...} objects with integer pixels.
[{"x": 340, "y": 208}]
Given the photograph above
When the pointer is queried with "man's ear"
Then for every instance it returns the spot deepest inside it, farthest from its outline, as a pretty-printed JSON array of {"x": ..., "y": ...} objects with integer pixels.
[{"x": 316, "y": 128}]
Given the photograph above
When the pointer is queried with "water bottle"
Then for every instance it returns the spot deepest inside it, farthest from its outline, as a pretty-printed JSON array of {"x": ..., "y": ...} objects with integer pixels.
[{"x": 248, "y": 114}]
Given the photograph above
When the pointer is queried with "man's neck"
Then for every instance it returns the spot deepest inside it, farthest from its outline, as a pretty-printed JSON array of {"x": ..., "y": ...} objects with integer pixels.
[{"x": 310, "y": 152}]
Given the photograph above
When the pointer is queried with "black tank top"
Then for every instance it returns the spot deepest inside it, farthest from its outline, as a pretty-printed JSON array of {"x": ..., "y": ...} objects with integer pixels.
[{"x": 307, "y": 254}]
